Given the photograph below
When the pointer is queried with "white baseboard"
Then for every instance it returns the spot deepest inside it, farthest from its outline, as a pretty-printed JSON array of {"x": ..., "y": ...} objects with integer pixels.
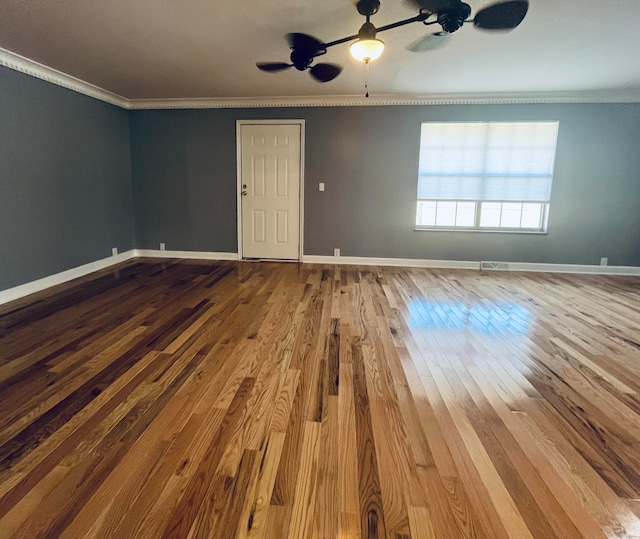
[
  {"x": 193, "y": 255},
  {"x": 459, "y": 264},
  {"x": 573, "y": 268},
  {"x": 405, "y": 262},
  {"x": 18, "y": 292}
]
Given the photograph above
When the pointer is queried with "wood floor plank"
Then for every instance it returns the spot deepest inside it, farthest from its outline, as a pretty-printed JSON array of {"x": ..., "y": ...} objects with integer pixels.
[
  {"x": 420, "y": 522},
  {"x": 259, "y": 504},
  {"x": 266, "y": 400},
  {"x": 372, "y": 521},
  {"x": 326, "y": 512},
  {"x": 349, "y": 503},
  {"x": 304, "y": 504}
]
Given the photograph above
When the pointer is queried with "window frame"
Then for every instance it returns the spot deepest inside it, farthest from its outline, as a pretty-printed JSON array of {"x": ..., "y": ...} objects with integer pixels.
[{"x": 544, "y": 218}]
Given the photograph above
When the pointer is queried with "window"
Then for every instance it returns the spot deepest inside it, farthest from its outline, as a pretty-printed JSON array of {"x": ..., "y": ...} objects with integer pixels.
[{"x": 486, "y": 175}]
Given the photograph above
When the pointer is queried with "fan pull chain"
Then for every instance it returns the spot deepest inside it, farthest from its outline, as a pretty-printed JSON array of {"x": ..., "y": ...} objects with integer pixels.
[{"x": 366, "y": 79}]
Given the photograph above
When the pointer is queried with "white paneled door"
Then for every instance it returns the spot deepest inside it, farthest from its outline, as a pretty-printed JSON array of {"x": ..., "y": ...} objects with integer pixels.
[{"x": 270, "y": 190}]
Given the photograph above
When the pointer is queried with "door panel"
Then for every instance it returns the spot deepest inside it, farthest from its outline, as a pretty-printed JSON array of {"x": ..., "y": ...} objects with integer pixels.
[
  {"x": 259, "y": 225},
  {"x": 270, "y": 176}
]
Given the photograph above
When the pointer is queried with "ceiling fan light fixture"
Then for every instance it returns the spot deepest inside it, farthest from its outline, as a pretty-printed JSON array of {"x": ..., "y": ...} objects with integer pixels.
[
  {"x": 367, "y": 47},
  {"x": 366, "y": 50}
]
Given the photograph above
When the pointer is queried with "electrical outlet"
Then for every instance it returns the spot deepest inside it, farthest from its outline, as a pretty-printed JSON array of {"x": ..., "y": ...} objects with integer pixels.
[
  {"x": 336, "y": 252},
  {"x": 162, "y": 247},
  {"x": 114, "y": 251},
  {"x": 604, "y": 261},
  {"x": 321, "y": 186}
]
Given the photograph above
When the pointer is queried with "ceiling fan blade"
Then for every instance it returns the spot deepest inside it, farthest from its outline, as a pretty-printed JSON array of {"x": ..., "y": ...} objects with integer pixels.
[
  {"x": 432, "y": 6},
  {"x": 273, "y": 66},
  {"x": 325, "y": 72},
  {"x": 502, "y": 16},
  {"x": 305, "y": 42},
  {"x": 430, "y": 42}
]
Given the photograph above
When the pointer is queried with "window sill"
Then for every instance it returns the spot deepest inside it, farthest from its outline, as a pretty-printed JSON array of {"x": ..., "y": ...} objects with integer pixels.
[{"x": 481, "y": 230}]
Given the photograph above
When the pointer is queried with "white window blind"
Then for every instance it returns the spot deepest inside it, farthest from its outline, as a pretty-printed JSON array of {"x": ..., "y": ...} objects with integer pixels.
[{"x": 480, "y": 161}]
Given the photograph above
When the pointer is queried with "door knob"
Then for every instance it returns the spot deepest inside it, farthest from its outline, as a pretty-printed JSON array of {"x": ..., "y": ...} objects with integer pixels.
[{"x": 244, "y": 193}]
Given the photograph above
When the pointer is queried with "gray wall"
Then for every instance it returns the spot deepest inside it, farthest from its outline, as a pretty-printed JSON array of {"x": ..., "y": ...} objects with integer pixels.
[
  {"x": 184, "y": 180},
  {"x": 65, "y": 179},
  {"x": 184, "y": 188}
]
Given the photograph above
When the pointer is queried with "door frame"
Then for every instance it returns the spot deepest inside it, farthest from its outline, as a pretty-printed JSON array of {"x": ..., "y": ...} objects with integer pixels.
[{"x": 239, "y": 124}]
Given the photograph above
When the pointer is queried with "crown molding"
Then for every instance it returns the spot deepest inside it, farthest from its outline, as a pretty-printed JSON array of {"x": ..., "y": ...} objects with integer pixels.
[
  {"x": 40, "y": 71},
  {"x": 30, "y": 67},
  {"x": 389, "y": 100}
]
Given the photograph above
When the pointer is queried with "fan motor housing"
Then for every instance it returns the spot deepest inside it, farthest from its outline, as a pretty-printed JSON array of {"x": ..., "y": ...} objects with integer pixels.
[
  {"x": 368, "y": 7},
  {"x": 301, "y": 59},
  {"x": 452, "y": 20}
]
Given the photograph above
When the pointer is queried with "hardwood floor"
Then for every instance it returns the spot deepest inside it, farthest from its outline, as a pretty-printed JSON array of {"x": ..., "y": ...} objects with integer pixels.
[{"x": 265, "y": 400}]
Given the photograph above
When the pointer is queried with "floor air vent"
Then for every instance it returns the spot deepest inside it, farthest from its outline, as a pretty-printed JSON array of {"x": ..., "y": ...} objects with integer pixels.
[{"x": 489, "y": 266}]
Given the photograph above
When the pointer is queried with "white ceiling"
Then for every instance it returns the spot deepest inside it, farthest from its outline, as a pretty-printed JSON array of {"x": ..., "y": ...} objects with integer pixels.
[{"x": 163, "y": 49}]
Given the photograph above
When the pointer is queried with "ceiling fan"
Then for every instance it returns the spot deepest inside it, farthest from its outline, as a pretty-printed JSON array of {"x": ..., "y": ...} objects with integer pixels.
[
  {"x": 451, "y": 15},
  {"x": 304, "y": 48}
]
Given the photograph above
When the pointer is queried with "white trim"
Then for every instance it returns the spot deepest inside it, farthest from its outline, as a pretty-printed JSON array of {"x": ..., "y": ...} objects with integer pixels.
[
  {"x": 459, "y": 264},
  {"x": 628, "y": 96},
  {"x": 403, "y": 262},
  {"x": 35, "y": 69},
  {"x": 188, "y": 255},
  {"x": 274, "y": 121},
  {"x": 303, "y": 142},
  {"x": 574, "y": 268},
  {"x": 239, "y": 124},
  {"x": 24, "y": 65},
  {"x": 239, "y": 186},
  {"x": 32, "y": 287}
]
